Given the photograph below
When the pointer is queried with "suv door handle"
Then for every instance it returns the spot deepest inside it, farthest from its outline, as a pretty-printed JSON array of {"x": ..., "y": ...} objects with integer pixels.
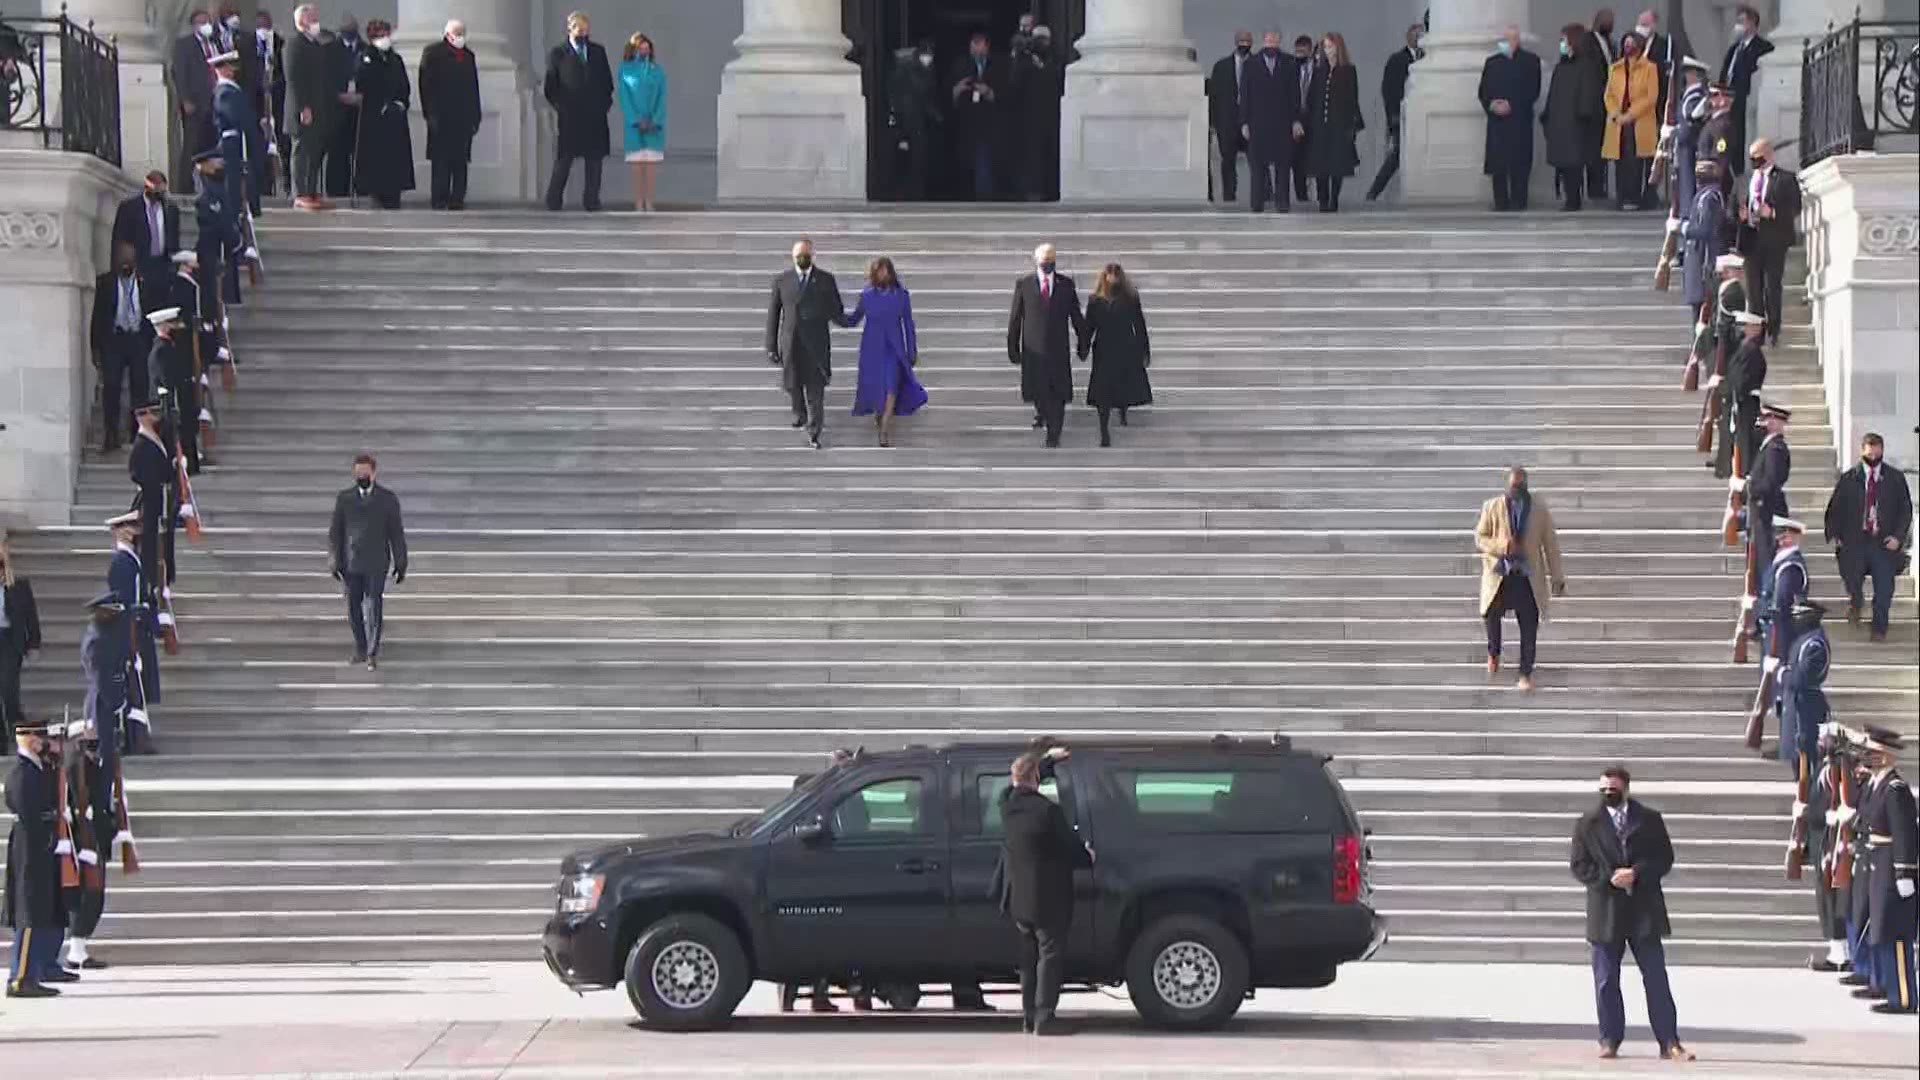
[{"x": 916, "y": 866}]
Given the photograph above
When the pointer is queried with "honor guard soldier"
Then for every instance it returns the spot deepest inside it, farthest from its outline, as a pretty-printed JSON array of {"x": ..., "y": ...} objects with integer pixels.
[
  {"x": 1827, "y": 844},
  {"x": 150, "y": 466},
  {"x": 106, "y": 656},
  {"x": 134, "y": 595},
  {"x": 1767, "y": 470},
  {"x": 1893, "y": 860},
  {"x": 36, "y": 912},
  {"x": 170, "y": 369},
  {"x": 219, "y": 224},
  {"x": 1783, "y": 585},
  {"x": 232, "y": 118},
  {"x": 1859, "y": 950},
  {"x": 1803, "y": 676},
  {"x": 1717, "y": 339},
  {"x": 1746, "y": 374},
  {"x": 91, "y": 811},
  {"x": 1717, "y": 140}
]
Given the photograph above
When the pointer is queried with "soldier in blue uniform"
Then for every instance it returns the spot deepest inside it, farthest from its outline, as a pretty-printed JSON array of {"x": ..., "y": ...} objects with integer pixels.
[
  {"x": 1783, "y": 583},
  {"x": 1767, "y": 468},
  {"x": 90, "y": 804},
  {"x": 1803, "y": 673},
  {"x": 233, "y": 118},
  {"x": 217, "y": 216},
  {"x": 35, "y": 910},
  {"x": 134, "y": 593},
  {"x": 150, "y": 467},
  {"x": 1893, "y": 859}
]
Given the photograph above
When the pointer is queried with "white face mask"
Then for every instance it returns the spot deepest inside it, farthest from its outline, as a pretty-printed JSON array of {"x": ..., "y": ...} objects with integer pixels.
[
  {"x": 384, "y": 44},
  {"x": 205, "y": 30},
  {"x": 263, "y": 34},
  {"x": 926, "y": 59},
  {"x": 458, "y": 41},
  {"x": 1739, "y": 32},
  {"x": 1645, "y": 31},
  {"x": 232, "y": 21}
]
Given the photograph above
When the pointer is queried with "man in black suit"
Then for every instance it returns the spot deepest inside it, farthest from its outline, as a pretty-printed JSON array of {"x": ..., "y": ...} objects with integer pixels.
[
  {"x": 1223, "y": 112},
  {"x": 1270, "y": 109},
  {"x": 1597, "y": 51},
  {"x": 1040, "y": 853},
  {"x": 149, "y": 224},
  {"x": 1306, "y": 66},
  {"x": 1044, "y": 305},
  {"x": 343, "y": 63},
  {"x": 364, "y": 542},
  {"x": 119, "y": 335},
  {"x": 979, "y": 80},
  {"x": 579, "y": 86},
  {"x": 1393, "y": 93},
  {"x": 1870, "y": 523},
  {"x": 193, "y": 89},
  {"x": 1620, "y": 852},
  {"x": 1769, "y": 215},
  {"x": 1736, "y": 70},
  {"x": 311, "y": 110},
  {"x": 450, "y": 102},
  {"x": 1509, "y": 87},
  {"x": 805, "y": 300}
]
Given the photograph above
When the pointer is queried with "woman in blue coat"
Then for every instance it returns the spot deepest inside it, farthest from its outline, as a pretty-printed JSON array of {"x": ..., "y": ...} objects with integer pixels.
[
  {"x": 889, "y": 348},
  {"x": 642, "y": 90}
]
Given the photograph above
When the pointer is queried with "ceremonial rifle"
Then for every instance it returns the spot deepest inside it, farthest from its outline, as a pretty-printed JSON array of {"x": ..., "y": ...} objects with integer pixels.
[
  {"x": 1840, "y": 850},
  {"x": 1797, "y": 838},
  {"x": 187, "y": 511},
  {"x": 63, "y": 826},
  {"x": 1710, "y": 408},
  {"x": 1744, "y": 621},
  {"x": 123, "y": 829},
  {"x": 1769, "y": 678},
  {"x": 85, "y": 837}
]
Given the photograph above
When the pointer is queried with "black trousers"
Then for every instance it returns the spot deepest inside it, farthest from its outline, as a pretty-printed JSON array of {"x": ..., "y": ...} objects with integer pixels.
[
  {"x": 84, "y": 908},
  {"x": 1515, "y": 595},
  {"x": 1572, "y": 184},
  {"x": 1298, "y": 167},
  {"x": 10, "y": 659},
  {"x": 1596, "y": 165},
  {"x": 1270, "y": 167},
  {"x": 809, "y": 400},
  {"x": 342, "y": 148},
  {"x": 1387, "y": 168},
  {"x": 124, "y": 360},
  {"x": 1329, "y": 188},
  {"x": 589, "y": 189},
  {"x": 366, "y": 608},
  {"x": 1510, "y": 187},
  {"x": 1043, "y": 959},
  {"x": 449, "y": 183},
  {"x": 1053, "y": 416},
  {"x": 1629, "y": 175},
  {"x": 1863, "y": 557},
  {"x": 1232, "y": 147},
  {"x": 1766, "y": 289}
]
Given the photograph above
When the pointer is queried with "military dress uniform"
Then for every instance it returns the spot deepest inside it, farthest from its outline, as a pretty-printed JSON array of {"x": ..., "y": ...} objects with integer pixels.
[
  {"x": 90, "y": 808},
  {"x": 1803, "y": 676},
  {"x": 218, "y": 242},
  {"x": 1768, "y": 468},
  {"x": 1783, "y": 585},
  {"x": 35, "y": 909},
  {"x": 1724, "y": 337},
  {"x": 135, "y": 595},
  {"x": 156, "y": 503},
  {"x": 1717, "y": 141},
  {"x": 1893, "y": 895}
]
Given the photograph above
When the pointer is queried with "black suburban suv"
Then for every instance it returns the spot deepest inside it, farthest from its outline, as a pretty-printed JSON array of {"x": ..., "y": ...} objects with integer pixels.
[{"x": 1220, "y": 866}]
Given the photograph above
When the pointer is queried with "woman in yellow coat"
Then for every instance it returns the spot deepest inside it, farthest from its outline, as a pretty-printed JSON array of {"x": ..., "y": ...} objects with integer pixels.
[{"x": 1633, "y": 131}]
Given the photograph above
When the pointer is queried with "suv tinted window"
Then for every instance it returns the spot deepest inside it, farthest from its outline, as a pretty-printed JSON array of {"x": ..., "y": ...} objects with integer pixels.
[
  {"x": 988, "y": 791},
  {"x": 1227, "y": 800},
  {"x": 883, "y": 808}
]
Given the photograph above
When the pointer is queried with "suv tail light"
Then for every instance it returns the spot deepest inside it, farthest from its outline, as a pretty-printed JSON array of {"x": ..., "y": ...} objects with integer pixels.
[{"x": 1346, "y": 870}]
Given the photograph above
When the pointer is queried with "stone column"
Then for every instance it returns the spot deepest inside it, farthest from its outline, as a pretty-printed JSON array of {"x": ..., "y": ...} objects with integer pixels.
[
  {"x": 56, "y": 210},
  {"x": 1133, "y": 122},
  {"x": 1862, "y": 225},
  {"x": 792, "y": 121},
  {"x": 505, "y": 164},
  {"x": 1774, "y": 105},
  {"x": 1443, "y": 141},
  {"x": 144, "y": 109}
]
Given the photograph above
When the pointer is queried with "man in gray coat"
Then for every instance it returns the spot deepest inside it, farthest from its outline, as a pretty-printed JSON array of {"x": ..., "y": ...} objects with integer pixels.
[
  {"x": 365, "y": 541},
  {"x": 805, "y": 299},
  {"x": 313, "y": 106}
]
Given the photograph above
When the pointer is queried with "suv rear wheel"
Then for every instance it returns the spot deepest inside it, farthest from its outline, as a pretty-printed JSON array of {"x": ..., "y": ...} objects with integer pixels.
[
  {"x": 686, "y": 972},
  {"x": 1186, "y": 971}
]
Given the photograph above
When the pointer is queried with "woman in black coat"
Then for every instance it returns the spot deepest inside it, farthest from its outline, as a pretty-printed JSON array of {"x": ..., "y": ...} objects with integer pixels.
[
  {"x": 1333, "y": 105},
  {"x": 1569, "y": 116},
  {"x": 386, "y": 146},
  {"x": 1117, "y": 338},
  {"x": 18, "y": 638}
]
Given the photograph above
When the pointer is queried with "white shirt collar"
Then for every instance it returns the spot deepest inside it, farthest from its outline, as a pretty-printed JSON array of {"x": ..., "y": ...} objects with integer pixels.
[
  {"x": 119, "y": 545},
  {"x": 1785, "y": 552}
]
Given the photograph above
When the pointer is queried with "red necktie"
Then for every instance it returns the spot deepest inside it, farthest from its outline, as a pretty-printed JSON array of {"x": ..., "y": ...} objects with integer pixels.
[{"x": 1046, "y": 289}]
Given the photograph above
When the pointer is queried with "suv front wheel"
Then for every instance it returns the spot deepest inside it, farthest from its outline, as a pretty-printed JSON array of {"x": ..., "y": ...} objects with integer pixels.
[
  {"x": 1187, "y": 972},
  {"x": 686, "y": 972}
]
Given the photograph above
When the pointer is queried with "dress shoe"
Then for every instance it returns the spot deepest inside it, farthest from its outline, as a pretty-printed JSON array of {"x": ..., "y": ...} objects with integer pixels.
[
  {"x": 799, "y": 420},
  {"x": 823, "y": 1004},
  {"x": 61, "y": 976},
  {"x": 358, "y": 659},
  {"x": 1525, "y": 685},
  {"x": 1853, "y": 978},
  {"x": 1821, "y": 963},
  {"x": 1609, "y": 1051},
  {"x": 813, "y": 441},
  {"x": 1676, "y": 1052},
  {"x": 32, "y": 990},
  {"x": 1123, "y": 418},
  {"x": 1026, "y": 1022},
  {"x": 1878, "y": 637},
  {"x": 1868, "y": 993},
  {"x": 373, "y": 663},
  {"x": 1045, "y": 1024},
  {"x": 90, "y": 964},
  {"x": 1053, "y": 444},
  {"x": 1039, "y": 421},
  {"x": 1853, "y": 614},
  {"x": 1888, "y": 1008},
  {"x": 1106, "y": 440}
]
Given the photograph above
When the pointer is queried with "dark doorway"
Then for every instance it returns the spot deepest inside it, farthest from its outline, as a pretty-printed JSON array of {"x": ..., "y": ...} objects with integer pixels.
[{"x": 921, "y": 143}]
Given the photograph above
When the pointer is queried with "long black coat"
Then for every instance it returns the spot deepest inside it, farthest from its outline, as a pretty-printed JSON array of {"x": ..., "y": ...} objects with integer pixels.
[
  {"x": 1117, "y": 335},
  {"x": 366, "y": 535},
  {"x": 1333, "y": 104},
  {"x": 1270, "y": 105},
  {"x": 310, "y": 85},
  {"x": 581, "y": 92},
  {"x": 1515, "y": 78},
  {"x": 1572, "y": 109},
  {"x": 386, "y": 146},
  {"x": 23, "y": 616},
  {"x": 1037, "y": 338},
  {"x": 1846, "y": 517},
  {"x": 1223, "y": 100},
  {"x": 33, "y": 897},
  {"x": 798, "y": 330},
  {"x": 1779, "y": 232},
  {"x": 450, "y": 100},
  {"x": 1041, "y": 851},
  {"x": 1615, "y": 915}
]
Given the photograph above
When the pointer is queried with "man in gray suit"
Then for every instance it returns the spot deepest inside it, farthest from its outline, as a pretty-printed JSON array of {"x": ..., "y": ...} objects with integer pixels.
[
  {"x": 365, "y": 541},
  {"x": 805, "y": 299},
  {"x": 313, "y": 106}
]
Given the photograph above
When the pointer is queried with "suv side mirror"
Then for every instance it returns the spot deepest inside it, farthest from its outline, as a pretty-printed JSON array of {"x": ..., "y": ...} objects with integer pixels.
[{"x": 812, "y": 830}]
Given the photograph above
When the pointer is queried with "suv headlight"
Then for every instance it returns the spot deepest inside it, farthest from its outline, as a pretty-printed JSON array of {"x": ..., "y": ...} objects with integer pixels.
[{"x": 580, "y": 894}]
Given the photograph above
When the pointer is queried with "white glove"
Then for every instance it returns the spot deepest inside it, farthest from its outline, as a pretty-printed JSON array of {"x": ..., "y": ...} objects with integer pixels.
[
  {"x": 64, "y": 847},
  {"x": 90, "y": 857},
  {"x": 1666, "y": 131},
  {"x": 1772, "y": 665},
  {"x": 1673, "y": 225},
  {"x": 1713, "y": 382},
  {"x": 1736, "y": 484},
  {"x": 186, "y": 509},
  {"x": 1833, "y": 818},
  {"x": 1799, "y": 809},
  {"x": 1904, "y": 886},
  {"x": 1845, "y": 815},
  {"x": 1830, "y": 729},
  {"x": 252, "y": 254}
]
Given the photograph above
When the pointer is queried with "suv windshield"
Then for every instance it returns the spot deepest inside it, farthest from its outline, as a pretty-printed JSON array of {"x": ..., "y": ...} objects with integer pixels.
[{"x": 801, "y": 789}]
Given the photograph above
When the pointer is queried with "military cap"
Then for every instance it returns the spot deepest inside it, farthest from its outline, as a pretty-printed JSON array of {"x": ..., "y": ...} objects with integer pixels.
[
  {"x": 1748, "y": 318},
  {"x": 1694, "y": 63},
  {"x": 109, "y": 600},
  {"x": 1730, "y": 261},
  {"x": 83, "y": 729},
  {"x": 1775, "y": 409},
  {"x": 1808, "y": 611},
  {"x": 186, "y": 257},
  {"x": 163, "y": 316},
  {"x": 1787, "y": 524},
  {"x": 24, "y": 726},
  {"x": 211, "y": 153},
  {"x": 128, "y": 520},
  {"x": 1885, "y": 740}
]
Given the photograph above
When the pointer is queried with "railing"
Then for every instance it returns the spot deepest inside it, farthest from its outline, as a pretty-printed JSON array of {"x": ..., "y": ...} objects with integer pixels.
[
  {"x": 1834, "y": 118},
  {"x": 83, "y": 111}
]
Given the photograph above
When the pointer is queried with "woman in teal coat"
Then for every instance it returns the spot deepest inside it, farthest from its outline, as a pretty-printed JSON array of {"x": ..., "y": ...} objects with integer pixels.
[{"x": 642, "y": 89}]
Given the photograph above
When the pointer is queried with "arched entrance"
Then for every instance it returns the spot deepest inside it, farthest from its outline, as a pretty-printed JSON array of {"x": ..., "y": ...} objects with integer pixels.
[{"x": 921, "y": 145}]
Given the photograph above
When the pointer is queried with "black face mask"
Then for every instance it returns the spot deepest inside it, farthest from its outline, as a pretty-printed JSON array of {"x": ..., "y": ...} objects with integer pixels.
[
  {"x": 126, "y": 269},
  {"x": 1270, "y": 53},
  {"x": 1047, "y": 267},
  {"x": 364, "y": 483},
  {"x": 1613, "y": 798},
  {"x": 1243, "y": 50},
  {"x": 804, "y": 262}
]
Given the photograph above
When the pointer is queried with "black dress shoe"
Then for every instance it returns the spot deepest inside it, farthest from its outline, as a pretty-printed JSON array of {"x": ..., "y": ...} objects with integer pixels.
[
  {"x": 799, "y": 420},
  {"x": 813, "y": 441},
  {"x": 1888, "y": 1008},
  {"x": 32, "y": 990},
  {"x": 1853, "y": 979},
  {"x": 1046, "y": 1025},
  {"x": 61, "y": 976},
  {"x": 1823, "y": 964},
  {"x": 1868, "y": 993},
  {"x": 90, "y": 964},
  {"x": 1039, "y": 422}
]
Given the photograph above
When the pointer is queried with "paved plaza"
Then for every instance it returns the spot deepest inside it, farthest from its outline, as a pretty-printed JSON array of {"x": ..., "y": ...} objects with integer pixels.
[{"x": 1412, "y": 1021}]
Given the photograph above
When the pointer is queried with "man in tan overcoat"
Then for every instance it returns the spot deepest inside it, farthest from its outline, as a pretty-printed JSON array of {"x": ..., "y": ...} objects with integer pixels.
[{"x": 1521, "y": 572}]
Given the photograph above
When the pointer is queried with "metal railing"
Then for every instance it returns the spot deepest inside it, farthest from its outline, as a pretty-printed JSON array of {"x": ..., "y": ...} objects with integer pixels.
[
  {"x": 77, "y": 106},
  {"x": 1835, "y": 114}
]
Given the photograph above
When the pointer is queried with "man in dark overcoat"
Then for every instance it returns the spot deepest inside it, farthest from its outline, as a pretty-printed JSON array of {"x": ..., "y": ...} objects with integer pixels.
[
  {"x": 312, "y": 108},
  {"x": 450, "y": 101},
  {"x": 1044, "y": 306},
  {"x": 365, "y": 542},
  {"x": 192, "y": 80},
  {"x": 1272, "y": 119},
  {"x": 580, "y": 88},
  {"x": 1223, "y": 111},
  {"x": 1869, "y": 521},
  {"x": 1509, "y": 87},
  {"x": 1041, "y": 852},
  {"x": 36, "y": 911},
  {"x": 1621, "y": 852},
  {"x": 805, "y": 300}
]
